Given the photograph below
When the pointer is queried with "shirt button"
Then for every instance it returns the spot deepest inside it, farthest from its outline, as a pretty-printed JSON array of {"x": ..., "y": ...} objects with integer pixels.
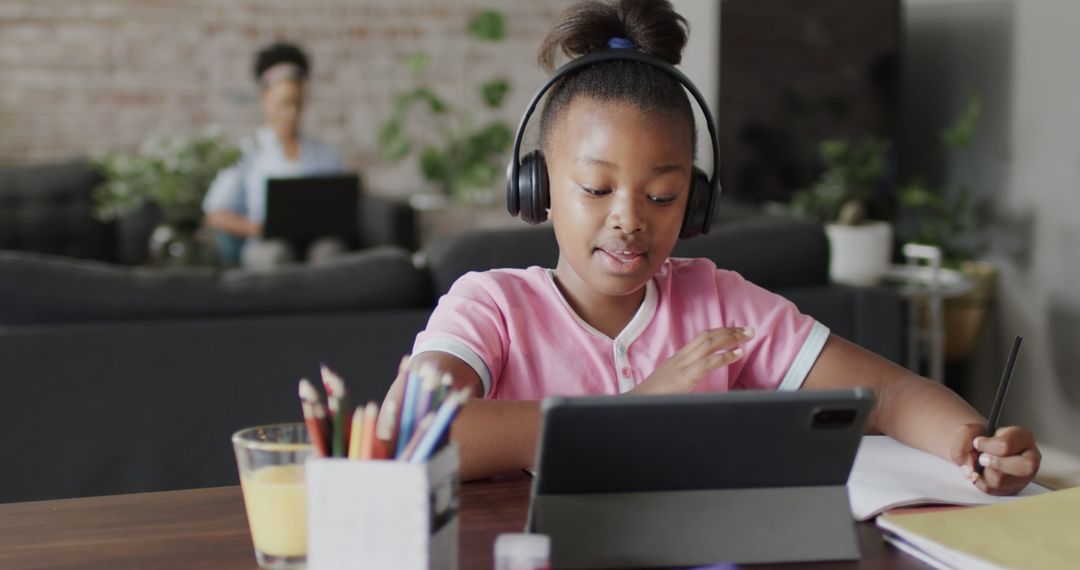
[
  {"x": 626, "y": 371},
  {"x": 621, "y": 349}
]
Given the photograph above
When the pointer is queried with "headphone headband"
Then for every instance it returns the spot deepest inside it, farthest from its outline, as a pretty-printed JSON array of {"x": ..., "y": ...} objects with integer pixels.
[{"x": 625, "y": 55}]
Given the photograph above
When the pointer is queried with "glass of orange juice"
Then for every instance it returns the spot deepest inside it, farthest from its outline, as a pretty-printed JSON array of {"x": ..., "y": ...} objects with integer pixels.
[{"x": 271, "y": 463}]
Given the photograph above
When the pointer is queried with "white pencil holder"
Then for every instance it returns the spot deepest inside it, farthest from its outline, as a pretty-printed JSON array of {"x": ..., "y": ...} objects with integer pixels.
[{"x": 383, "y": 514}]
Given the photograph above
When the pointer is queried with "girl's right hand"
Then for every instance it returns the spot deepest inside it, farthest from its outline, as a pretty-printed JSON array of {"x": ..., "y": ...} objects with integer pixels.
[{"x": 708, "y": 351}]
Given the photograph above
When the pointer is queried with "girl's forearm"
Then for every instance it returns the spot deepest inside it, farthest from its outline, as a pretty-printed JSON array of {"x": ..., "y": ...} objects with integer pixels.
[
  {"x": 922, "y": 413},
  {"x": 912, "y": 409},
  {"x": 496, "y": 436}
]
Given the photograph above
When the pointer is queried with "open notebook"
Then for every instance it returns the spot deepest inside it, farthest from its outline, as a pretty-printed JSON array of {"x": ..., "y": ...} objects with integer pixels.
[{"x": 888, "y": 474}]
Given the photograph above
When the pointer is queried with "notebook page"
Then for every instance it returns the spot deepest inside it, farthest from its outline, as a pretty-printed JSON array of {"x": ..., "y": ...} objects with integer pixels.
[{"x": 888, "y": 474}]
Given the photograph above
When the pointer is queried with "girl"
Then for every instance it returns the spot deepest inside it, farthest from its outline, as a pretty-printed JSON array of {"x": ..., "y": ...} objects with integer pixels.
[{"x": 618, "y": 316}]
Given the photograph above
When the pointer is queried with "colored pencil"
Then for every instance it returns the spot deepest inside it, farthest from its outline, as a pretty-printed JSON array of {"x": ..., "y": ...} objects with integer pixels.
[
  {"x": 384, "y": 430},
  {"x": 309, "y": 397},
  {"x": 366, "y": 442},
  {"x": 445, "y": 385},
  {"x": 429, "y": 382},
  {"x": 439, "y": 425},
  {"x": 386, "y": 443},
  {"x": 356, "y": 433},
  {"x": 416, "y": 436},
  {"x": 408, "y": 411},
  {"x": 340, "y": 411}
]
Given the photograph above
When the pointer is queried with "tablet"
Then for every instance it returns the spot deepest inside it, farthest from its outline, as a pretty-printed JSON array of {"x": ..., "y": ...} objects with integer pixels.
[{"x": 721, "y": 472}]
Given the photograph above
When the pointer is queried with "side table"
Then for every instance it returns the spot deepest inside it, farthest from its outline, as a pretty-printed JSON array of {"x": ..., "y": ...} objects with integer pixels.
[{"x": 926, "y": 284}]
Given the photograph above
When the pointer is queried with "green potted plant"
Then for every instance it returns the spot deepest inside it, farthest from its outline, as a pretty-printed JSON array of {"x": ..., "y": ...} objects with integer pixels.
[
  {"x": 943, "y": 216},
  {"x": 462, "y": 157},
  {"x": 172, "y": 174},
  {"x": 842, "y": 199}
]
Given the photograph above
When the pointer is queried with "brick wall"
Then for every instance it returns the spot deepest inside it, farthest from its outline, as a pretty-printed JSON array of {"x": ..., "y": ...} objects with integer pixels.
[{"x": 82, "y": 76}]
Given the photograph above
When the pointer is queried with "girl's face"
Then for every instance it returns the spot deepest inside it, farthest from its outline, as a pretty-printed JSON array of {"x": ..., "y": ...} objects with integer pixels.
[
  {"x": 282, "y": 102},
  {"x": 619, "y": 178}
]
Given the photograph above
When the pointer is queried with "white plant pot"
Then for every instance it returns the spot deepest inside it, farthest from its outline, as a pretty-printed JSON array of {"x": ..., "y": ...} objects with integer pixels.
[{"x": 859, "y": 255}]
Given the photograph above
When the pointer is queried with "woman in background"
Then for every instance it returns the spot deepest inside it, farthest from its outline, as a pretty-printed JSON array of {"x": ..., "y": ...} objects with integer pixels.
[{"x": 236, "y": 202}]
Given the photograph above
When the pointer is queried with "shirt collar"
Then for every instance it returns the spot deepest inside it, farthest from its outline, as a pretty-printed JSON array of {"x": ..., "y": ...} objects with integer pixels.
[
  {"x": 632, "y": 330},
  {"x": 267, "y": 140}
]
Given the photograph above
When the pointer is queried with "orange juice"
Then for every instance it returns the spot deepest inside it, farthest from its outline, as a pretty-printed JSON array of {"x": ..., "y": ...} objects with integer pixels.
[{"x": 276, "y": 506}]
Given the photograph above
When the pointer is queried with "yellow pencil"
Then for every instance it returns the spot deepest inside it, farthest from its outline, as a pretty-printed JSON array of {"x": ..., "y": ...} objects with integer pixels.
[
  {"x": 367, "y": 442},
  {"x": 357, "y": 432}
]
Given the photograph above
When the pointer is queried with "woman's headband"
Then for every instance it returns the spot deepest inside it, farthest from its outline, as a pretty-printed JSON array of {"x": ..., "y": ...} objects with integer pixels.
[{"x": 281, "y": 72}]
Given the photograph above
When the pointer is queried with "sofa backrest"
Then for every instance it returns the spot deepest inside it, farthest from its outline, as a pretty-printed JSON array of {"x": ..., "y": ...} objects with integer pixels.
[
  {"x": 480, "y": 250},
  {"x": 775, "y": 253},
  {"x": 41, "y": 289},
  {"x": 46, "y": 209}
]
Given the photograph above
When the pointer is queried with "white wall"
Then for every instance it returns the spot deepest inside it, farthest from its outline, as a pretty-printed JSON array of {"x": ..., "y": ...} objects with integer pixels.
[
  {"x": 701, "y": 61},
  {"x": 1042, "y": 298},
  {"x": 1027, "y": 159}
]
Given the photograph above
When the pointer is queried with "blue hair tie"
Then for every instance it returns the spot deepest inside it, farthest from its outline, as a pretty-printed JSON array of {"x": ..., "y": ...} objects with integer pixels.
[{"x": 620, "y": 43}]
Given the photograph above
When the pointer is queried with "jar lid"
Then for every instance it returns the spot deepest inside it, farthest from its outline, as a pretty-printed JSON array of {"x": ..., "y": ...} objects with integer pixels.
[{"x": 520, "y": 545}]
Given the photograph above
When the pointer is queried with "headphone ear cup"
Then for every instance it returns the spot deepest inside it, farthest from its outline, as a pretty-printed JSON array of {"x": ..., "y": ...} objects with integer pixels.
[
  {"x": 698, "y": 216},
  {"x": 513, "y": 200},
  {"x": 533, "y": 194}
]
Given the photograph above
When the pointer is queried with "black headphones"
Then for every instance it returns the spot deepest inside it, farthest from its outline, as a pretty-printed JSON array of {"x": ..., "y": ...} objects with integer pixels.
[{"x": 527, "y": 179}]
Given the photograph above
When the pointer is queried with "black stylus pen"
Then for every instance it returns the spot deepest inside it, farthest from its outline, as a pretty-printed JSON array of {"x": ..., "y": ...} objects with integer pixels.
[{"x": 999, "y": 399}]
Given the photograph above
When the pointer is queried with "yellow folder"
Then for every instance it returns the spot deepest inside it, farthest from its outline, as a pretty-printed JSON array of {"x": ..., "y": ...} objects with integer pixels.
[{"x": 1041, "y": 532}]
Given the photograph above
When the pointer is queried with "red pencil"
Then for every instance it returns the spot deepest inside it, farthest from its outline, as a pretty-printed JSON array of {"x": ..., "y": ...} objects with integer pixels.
[{"x": 309, "y": 399}]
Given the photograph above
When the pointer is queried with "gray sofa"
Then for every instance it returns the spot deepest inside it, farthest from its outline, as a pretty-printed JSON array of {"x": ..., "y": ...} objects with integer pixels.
[
  {"x": 46, "y": 208},
  {"x": 122, "y": 379}
]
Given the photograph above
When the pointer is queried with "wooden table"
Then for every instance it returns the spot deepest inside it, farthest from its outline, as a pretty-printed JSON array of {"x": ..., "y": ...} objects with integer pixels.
[{"x": 207, "y": 528}]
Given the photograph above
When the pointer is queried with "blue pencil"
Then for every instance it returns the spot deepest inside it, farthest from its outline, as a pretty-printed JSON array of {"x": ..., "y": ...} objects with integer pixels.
[
  {"x": 408, "y": 411},
  {"x": 439, "y": 425}
]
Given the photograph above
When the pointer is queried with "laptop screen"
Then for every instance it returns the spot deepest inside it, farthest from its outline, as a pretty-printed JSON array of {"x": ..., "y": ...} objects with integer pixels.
[{"x": 303, "y": 209}]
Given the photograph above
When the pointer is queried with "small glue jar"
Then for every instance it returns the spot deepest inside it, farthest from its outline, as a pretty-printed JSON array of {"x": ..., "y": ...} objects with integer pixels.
[{"x": 522, "y": 552}]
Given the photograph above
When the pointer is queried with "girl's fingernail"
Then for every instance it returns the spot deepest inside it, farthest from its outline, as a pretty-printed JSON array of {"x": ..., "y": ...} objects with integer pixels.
[
  {"x": 737, "y": 352},
  {"x": 966, "y": 471},
  {"x": 977, "y": 443},
  {"x": 748, "y": 331},
  {"x": 984, "y": 460}
]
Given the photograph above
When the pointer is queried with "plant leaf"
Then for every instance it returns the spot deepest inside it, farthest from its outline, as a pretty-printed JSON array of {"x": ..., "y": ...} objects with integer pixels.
[
  {"x": 418, "y": 62},
  {"x": 488, "y": 26},
  {"x": 433, "y": 164},
  {"x": 492, "y": 139},
  {"x": 494, "y": 91},
  {"x": 959, "y": 135},
  {"x": 394, "y": 145}
]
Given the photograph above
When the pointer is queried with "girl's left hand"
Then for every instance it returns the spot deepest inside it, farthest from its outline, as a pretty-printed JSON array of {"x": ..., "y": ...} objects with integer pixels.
[{"x": 1010, "y": 458}]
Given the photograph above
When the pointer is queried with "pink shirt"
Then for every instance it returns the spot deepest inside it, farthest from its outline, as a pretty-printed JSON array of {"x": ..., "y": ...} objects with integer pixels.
[{"x": 515, "y": 328}]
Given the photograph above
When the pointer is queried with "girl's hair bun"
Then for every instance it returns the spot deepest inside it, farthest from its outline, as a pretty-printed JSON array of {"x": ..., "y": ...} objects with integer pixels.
[{"x": 652, "y": 26}]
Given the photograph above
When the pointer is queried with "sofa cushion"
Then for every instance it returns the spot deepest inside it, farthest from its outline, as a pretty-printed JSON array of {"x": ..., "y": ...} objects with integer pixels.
[
  {"x": 772, "y": 252},
  {"x": 47, "y": 209},
  {"x": 41, "y": 289},
  {"x": 480, "y": 250}
]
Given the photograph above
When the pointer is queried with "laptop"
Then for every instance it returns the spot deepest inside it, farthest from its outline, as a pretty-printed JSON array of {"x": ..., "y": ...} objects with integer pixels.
[
  {"x": 683, "y": 480},
  {"x": 303, "y": 209}
]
